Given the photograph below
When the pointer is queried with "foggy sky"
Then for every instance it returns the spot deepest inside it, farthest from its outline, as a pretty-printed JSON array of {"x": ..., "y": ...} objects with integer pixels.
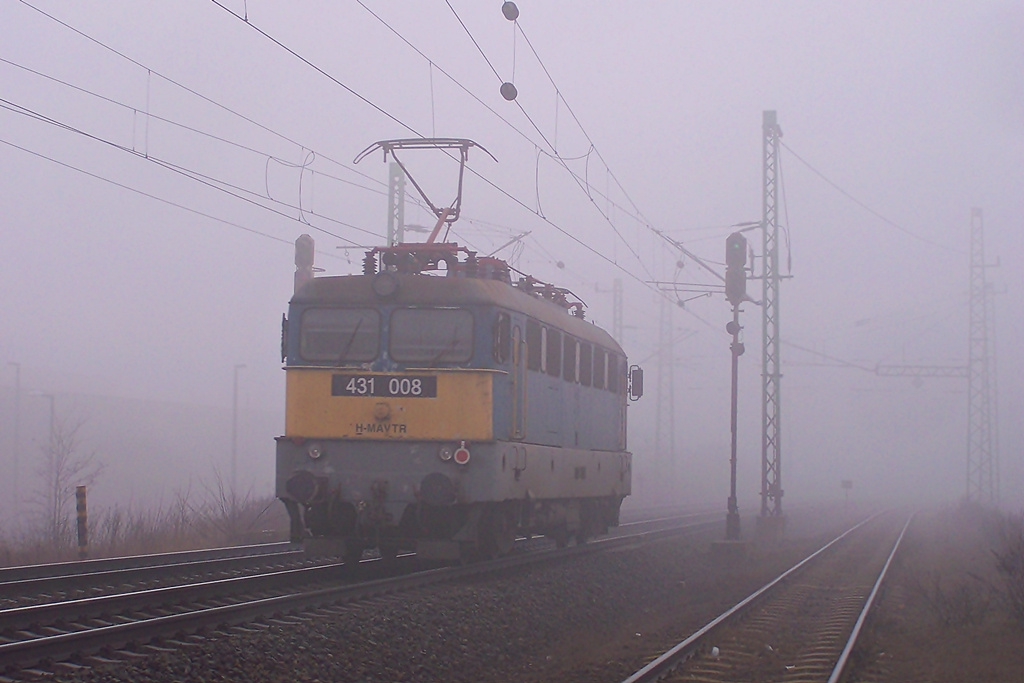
[{"x": 913, "y": 109}]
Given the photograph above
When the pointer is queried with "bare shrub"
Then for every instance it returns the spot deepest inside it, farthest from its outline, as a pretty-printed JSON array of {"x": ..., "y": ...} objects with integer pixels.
[
  {"x": 961, "y": 601},
  {"x": 1010, "y": 565},
  {"x": 63, "y": 468}
]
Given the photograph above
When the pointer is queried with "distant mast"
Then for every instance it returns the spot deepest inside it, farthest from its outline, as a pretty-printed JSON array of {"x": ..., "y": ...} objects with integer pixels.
[{"x": 303, "y": 261}]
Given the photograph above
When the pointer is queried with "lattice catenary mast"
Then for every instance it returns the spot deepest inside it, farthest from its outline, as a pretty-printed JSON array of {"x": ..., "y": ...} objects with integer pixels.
[
  {"x": 982, "y": 459},
  {"x": 771, "y": 398}
]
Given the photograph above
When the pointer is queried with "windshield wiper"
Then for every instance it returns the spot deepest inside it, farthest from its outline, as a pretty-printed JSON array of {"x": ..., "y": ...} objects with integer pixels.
[{"x": 348, "y": 344}]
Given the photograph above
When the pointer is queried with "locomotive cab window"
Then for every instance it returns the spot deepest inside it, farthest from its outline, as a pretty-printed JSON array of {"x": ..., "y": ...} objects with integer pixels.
[
  {"x": 600, "y": 360},
  {"x": 503, "y": 338},
  {"x": 533, "y": 350},
  {"x": 553, "y": 351},
  {"x": 431, "y": 335},
  {"x": 586, "y": 363},
  {"x": 339, "y": 335},
  {"x": 613, "y": 373},
  {"x": 569, "y": 354}
]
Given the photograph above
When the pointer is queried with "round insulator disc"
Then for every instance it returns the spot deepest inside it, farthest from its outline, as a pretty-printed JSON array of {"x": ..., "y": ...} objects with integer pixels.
[{"x": 508, "y": 91}]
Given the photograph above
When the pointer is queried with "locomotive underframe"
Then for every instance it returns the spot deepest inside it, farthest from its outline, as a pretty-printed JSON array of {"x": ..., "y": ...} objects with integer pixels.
[{"x": 400, "y": 495}]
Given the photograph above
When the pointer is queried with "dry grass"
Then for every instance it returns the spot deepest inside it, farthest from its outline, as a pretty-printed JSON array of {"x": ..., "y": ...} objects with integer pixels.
[{"x": 212, "y": 518}]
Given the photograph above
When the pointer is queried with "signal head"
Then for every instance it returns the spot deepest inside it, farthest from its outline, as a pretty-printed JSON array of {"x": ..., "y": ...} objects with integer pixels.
[{"x": 736, "y": 250}]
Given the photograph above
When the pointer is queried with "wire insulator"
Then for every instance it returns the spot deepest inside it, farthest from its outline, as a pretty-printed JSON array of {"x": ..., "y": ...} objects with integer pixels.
[{"x": 369, "y": 263}]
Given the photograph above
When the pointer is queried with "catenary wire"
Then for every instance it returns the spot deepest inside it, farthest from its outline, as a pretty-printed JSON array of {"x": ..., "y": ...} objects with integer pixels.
[
  {"x": 218, "y": 185},
  {"x": 584, "y": 185},
  {"x": 864, "y": 206},
  {"x": 196, "y": 93},
  {"x": 406, "y": 126},
  {"x": 152, "y": 196},
  {"x": 267, "y": 155}
]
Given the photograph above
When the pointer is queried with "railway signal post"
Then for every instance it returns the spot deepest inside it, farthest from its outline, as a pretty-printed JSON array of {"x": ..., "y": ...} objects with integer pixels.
[{"x": 735, "y": 292}]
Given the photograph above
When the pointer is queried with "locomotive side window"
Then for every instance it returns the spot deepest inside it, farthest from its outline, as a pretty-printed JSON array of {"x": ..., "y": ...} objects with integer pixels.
[
  {"x": 503, "y": 338},
  {"x": 599, "y": 367},
  {"x": 613, "y": 373},
  {"x": 553, "y": 352},
  {"x": 339, "y": 335},
  {"x": 533, "y": 350},
  {"x": 586, "y": 364},
  {"x": 431, "y": 335},
  {"x": 569, "y": 359}
]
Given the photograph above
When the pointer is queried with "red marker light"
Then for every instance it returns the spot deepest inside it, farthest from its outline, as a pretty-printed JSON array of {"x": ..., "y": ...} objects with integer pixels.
[{"x": 461, "y": 456}]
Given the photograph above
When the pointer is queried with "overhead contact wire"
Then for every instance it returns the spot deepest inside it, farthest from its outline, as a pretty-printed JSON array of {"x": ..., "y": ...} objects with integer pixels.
[
  {"x": 415, "y": 132},
  {"x": 147, "y": 194},
  {"x": 864, "y": 206}
]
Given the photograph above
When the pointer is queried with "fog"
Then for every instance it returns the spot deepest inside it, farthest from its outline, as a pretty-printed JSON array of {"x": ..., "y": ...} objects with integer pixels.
[{"x": 150, "y": 200}]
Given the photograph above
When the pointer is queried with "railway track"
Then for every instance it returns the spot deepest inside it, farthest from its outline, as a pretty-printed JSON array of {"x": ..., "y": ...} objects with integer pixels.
[
  {"x": 23, "y": 586},
  {"x": 148, "y": 619},
  {"x": 803, "y": 626}
]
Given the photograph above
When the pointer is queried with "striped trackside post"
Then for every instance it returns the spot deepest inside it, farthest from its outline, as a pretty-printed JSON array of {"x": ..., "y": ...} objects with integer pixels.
[{"x": 83, "y": 523}]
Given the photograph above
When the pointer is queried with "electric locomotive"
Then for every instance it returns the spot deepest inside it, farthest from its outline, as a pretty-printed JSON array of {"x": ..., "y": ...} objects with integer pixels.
[{"x": 435, "y": 405}]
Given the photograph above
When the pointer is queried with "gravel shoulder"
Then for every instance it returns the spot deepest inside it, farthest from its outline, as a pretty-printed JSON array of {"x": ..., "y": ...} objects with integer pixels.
[
  {"x": 602, "y": 617},
  {"x": 592, "y": 619}
]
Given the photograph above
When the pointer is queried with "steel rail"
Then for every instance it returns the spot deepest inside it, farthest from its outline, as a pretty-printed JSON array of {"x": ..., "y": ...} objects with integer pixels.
[
  {"x": 29, "y": 652},
  {"x": 31, "y": 616},
  {"x": 58, "y": 569},
  {"x": 682, "y": 651},
  {"x": 26, "y": 588},
  {"x": 840, "y": 668}
]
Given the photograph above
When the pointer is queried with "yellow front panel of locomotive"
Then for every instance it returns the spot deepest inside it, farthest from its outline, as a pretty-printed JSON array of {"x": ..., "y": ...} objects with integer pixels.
[{"x": 461, "y": 410}]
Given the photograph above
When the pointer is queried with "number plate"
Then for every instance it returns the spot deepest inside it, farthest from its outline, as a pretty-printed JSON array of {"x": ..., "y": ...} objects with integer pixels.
[{"x": 396, "y": 386}]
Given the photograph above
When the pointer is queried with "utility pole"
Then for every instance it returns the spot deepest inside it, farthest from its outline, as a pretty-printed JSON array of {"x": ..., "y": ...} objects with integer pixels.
[
  {"x": 16, "y": 496},
  {"x": 234, "y": 441},
  {"x": 664, "y": 428},
  {"x": 771, "y": 522},
  {"x": 396, "y": 204}
]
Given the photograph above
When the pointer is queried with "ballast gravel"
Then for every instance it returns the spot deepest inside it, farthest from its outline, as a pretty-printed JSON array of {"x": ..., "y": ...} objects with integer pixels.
[{"x": 595, "y": 618}]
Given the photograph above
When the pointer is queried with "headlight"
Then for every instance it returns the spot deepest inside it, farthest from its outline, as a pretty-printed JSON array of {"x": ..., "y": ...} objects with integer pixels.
[
  {"x": 315, "y": 450},
  {"x": 446, "y": 453}
]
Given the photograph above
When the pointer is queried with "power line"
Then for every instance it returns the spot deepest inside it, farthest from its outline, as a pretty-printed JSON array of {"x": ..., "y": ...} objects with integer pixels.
[
  {"x": 195, "y": 174},
  {"x": 196, "y": 93},
  {"x": 200, "y": 178},
  {"x": 586, "y": 190},
  {"x": 322, "y": 72},
  {"x": 406, "y": 126},
  {"x": 864, "y": 206},
  {"x": 151, "y": 196}
]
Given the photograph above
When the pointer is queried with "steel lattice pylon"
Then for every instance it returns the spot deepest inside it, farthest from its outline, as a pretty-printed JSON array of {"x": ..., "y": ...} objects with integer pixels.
[
  {"x": 982, "y": 460},
  {"x": 771, "y": 398}
]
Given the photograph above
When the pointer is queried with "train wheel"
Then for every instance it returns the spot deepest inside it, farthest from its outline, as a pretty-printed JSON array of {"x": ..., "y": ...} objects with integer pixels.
[
  {"x": 560, "y": 537},
  {"x": 389, "y": 554},
  {"x": 497, "y": 535},
  {"x": 502, "y": 534},
  {"x": 352, "y": 554}
]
